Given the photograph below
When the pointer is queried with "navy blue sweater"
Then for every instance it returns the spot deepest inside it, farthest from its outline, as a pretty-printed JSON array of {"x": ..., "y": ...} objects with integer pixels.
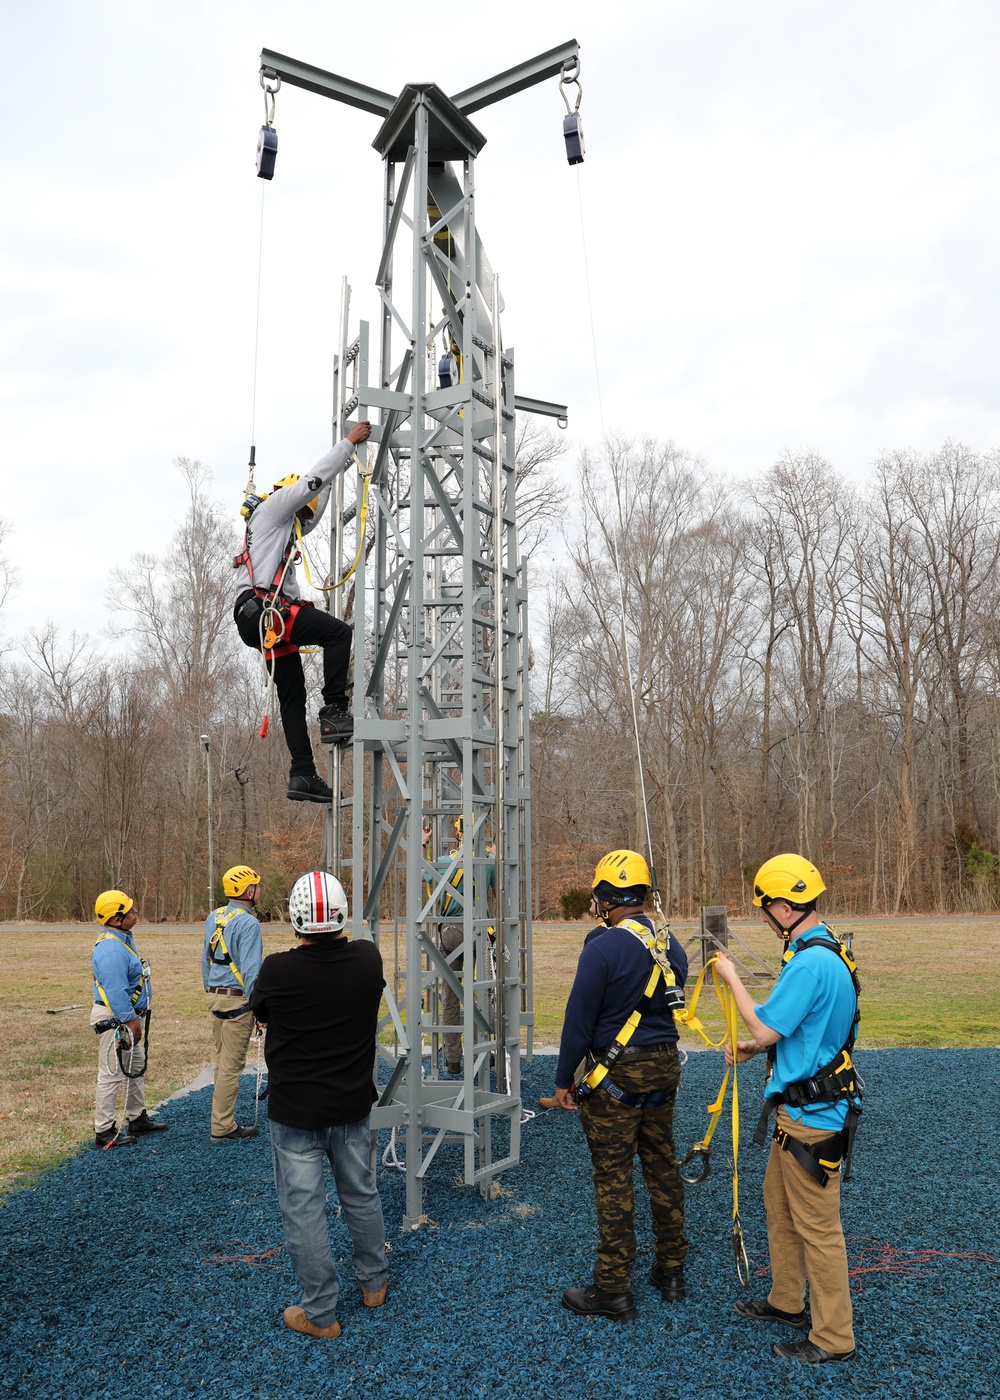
[{"x": 612, "y": 973}]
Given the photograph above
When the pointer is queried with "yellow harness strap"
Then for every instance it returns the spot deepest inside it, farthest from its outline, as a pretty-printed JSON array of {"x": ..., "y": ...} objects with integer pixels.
[
  {"x": 134, "y": 996},
  {"x": 454, "y": 882},
  {"x": 218, "y": 941}
]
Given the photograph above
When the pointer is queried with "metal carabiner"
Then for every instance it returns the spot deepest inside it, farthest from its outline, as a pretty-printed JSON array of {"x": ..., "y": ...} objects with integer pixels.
[
  {"x": 702, "y": 1153},
  {"x": 740, "y": 1254},
  {"x": 271, "y": 84},
  {"x": 570, "y": 77}
]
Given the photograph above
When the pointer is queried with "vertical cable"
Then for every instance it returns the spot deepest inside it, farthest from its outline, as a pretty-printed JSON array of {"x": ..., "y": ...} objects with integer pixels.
[{"x": 614, "y": 537}]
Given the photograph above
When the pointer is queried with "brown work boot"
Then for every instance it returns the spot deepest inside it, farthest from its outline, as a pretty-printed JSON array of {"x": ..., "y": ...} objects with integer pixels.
[
  {"x": 375, "y": 1300},
  {"x": 296, "y": 1319},
  {"x": 548, "y": 1103}
]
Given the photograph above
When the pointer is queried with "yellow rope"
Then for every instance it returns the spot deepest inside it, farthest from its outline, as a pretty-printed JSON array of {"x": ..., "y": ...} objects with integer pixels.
[{"x": 326, "y": 586}]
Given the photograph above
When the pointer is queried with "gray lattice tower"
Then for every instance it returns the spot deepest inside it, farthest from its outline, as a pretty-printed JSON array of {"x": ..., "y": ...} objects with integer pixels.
[{"x": 441, "y": 717}]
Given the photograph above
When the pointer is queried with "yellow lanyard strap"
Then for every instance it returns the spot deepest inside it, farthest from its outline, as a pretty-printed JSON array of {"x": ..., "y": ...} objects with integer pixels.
[
  {"x": 328, "y": 587},
  {"x": 701, "y": 1150}
]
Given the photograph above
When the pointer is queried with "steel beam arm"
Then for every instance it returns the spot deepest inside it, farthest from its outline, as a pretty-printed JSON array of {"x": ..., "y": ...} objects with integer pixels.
[
  {"x": 525, "y": 75},
  {"x": 304, "y": 75}
]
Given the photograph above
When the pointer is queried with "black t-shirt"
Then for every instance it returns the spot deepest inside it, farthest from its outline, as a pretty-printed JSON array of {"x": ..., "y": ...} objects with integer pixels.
[{"x": 320, "y": 1003}]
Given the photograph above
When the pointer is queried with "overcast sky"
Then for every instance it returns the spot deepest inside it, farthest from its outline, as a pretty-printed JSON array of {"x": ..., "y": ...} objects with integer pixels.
[{"x": 790, "y": 213}]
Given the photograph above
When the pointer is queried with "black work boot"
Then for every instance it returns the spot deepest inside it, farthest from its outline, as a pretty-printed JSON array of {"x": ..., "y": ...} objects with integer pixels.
[
  {"x": 236, "y": 1134},
  {"x": 336, "y": 723},
  {"x": 760, "y": 1310},
  {"x": 302, "y": 789},
  {"x": 809, "y": 1354},
  {"x": 112, "y": 1138},
  {"x": 145, "y": 1124},
  {"x": 669, "y": 1280},
  {"x": 595, "y": 1302}
]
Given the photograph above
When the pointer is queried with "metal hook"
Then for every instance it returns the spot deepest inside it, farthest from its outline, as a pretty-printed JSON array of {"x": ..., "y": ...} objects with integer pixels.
[
  {"x": 740, "y": 1254},
  {"x": 699, "y": 1153}
]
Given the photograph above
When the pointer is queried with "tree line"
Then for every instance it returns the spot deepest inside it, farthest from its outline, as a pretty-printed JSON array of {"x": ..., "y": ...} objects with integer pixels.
[
  {"x": 807, "y": 663},
  {"x": 814, "y": 667}
]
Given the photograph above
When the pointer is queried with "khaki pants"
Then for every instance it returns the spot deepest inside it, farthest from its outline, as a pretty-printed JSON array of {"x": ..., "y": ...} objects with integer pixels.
[
  {"x": 806, "y": 1240},
  {"x": 451, "y": 1007},
  {"x": 110, "y": 1078},
  {"x": 231, "y": 1040}
]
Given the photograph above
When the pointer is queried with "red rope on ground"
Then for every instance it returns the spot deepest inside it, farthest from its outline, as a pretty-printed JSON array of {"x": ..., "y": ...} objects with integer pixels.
[
  {"x": 874, "y": 1257},
  {"x": 265, "y": 1257}
]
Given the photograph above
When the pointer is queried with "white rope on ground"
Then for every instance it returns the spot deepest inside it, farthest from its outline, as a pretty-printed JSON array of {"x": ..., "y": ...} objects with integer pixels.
[
  {"x": 260, "y": 1073},
  {"x": 390, "y": 1157}
]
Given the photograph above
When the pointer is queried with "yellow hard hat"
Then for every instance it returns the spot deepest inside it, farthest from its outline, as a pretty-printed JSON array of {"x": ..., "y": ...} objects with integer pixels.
[
  {"x": 787, "y": 876},
  {"x": 238, "y": 880},
  {"x": 290, "y": 480},
  {"x": 110, "y": 903},
  {"x": 623, "y": 869}
]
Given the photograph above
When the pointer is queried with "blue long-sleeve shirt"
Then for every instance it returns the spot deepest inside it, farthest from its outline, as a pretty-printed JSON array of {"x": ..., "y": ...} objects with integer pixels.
[
  {"x": 610, "y": 978},
  {"x": 117, "y": 968},
  {"x": 246, "y": 948}
]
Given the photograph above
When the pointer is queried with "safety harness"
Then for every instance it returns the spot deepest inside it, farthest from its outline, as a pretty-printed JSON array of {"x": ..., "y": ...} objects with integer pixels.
[
  {"x": 124, "y": 1044},
  {"x": 447, "y": 900},
  {"x": 830, "y": 1084},
  {"x": 218, "y": 942},
  {"x": 656, "y": 945},
  {"x": 278, "y": 613},
  {"x": 143, "y": 980}
]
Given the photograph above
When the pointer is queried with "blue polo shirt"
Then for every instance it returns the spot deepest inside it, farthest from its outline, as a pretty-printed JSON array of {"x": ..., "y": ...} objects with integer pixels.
[{"x": 812, "y": 1007}]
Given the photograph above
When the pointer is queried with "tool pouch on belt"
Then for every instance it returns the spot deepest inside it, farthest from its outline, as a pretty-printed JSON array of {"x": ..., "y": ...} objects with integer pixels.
[{"x": 246, "y": 614}]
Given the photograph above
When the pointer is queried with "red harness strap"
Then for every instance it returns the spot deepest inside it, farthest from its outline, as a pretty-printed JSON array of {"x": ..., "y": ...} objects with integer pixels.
[{"x": 286, "y": 608}]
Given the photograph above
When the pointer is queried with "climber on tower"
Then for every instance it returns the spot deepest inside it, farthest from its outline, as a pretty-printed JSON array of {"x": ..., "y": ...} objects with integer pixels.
[{"x": 269, "y": 597}]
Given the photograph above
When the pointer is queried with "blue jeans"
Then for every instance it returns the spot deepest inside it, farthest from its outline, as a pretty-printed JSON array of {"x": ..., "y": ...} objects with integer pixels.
[{"x": 298, "y": 1155}]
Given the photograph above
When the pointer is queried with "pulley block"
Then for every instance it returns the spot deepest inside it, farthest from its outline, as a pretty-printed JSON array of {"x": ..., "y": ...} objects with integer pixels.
[{"x": 267, "y": 150}]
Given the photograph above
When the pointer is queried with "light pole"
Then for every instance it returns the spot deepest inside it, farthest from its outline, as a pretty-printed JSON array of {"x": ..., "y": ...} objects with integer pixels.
[{"x": 206, "y": 744}]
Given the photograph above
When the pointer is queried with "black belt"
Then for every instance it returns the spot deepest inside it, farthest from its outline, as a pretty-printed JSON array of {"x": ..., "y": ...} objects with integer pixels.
[{"x": 631, "y": 1051}]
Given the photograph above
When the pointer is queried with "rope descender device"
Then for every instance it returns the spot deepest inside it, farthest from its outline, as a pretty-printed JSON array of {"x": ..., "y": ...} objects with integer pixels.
[
  {"x": 267, "y": 140},
  {"x": 572, "y": 125}
]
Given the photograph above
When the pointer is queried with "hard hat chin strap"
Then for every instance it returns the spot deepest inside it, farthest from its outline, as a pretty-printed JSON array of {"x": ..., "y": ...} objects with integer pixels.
[{"x": 786, "y": 933}]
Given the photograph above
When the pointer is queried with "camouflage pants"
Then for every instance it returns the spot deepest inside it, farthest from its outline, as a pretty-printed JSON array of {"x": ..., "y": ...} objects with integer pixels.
[{"x": 615, "y": 1133}]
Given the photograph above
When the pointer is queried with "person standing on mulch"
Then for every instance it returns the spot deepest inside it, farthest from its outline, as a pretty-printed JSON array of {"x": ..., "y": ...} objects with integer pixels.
[
  {"x": 319, "y": 1003},
  {"x": 805, "y": 1027},
  {"x": 230, "y": 961},
  {"x": 452, "y": 936},
  {"x": 630, "y": 1109},
  {"x": 122, "y": 995}
]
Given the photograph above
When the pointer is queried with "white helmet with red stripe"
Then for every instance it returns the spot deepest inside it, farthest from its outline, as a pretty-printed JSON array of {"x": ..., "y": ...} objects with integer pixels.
[{"x": 317, "y": 904}]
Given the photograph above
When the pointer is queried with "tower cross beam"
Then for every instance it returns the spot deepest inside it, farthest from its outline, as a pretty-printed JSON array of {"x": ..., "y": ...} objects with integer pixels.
[{"x": 523, "y": 75}]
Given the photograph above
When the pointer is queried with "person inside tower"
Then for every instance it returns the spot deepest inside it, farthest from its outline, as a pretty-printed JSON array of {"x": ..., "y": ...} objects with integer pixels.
[{"x": 271, "y": 614}]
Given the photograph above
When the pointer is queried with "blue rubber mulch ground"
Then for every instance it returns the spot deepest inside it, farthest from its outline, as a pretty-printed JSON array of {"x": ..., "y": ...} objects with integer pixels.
[{"x": 114, "y": 1281}]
